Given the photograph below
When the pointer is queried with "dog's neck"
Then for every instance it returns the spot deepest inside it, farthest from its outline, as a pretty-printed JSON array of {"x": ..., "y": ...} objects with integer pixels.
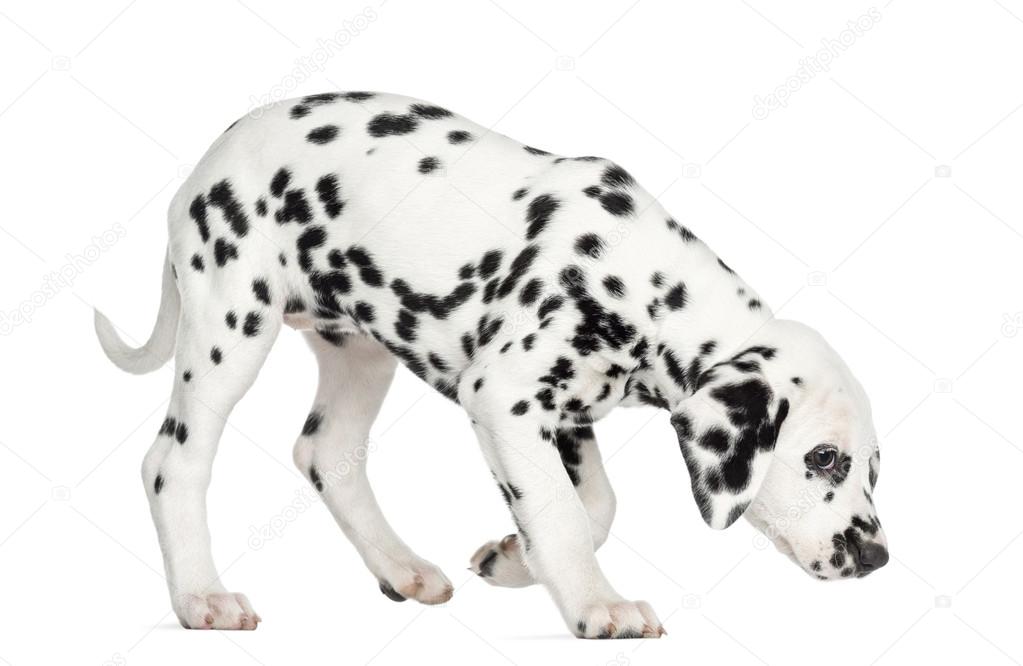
[{"x": 681, "y": 351}]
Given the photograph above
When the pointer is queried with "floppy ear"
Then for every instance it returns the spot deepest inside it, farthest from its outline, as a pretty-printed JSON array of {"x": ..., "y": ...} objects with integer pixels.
[{"x": 727, "y": 431}]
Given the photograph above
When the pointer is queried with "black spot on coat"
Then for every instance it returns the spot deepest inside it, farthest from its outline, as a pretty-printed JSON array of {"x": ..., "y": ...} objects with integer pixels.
[
  {"x": 295, "y": 209},
  {"x": 676, "y": 297},
  {"x": 168, "y": 425},
  {"x": 222, "y": 196},
  {"x": 364, "y": 312},
  {"x": 539, "y": 213},
  {"x": 520, "y": 265},
  {"x": 224, "y": 251},
  {"x": 531, "y": 291},
  {"x": 329, "y": 192},
  {"x": 489, "y": 264},
  {"x": 312, "y": 424},
  {"x": 615, "y": 176},
  {"x": 279, "y": 182},
  {"x": 198, "y": 213},
  {"x": 357, "y": 96},
  {"x": 311, "y": 238},
  {"x": 617, "y": 203},
  {"x": 322, "y": 135},
  {"x": 437, "y": 362},
  {"x": 429, "y": 111},
  {"x": 388, "y": 124},
  {"x": 314, "y": 477},
  {"x": 590, "y": 245},
  {"x": 262, "y": 290},
  {"x": 614, "y": 286},
  {"x": 253, "y": 322},
  {"x": 681, "y": 230},
  {"x": 428, "y": 165}
]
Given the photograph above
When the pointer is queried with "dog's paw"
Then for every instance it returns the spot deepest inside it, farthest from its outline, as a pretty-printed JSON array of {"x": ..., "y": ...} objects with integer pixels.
[
  {"x": 223, "y": 610},
  {"x": 418, "y": 580},
  {"x": 500, "y": 563},
  {"x": 619, "y": 619}
]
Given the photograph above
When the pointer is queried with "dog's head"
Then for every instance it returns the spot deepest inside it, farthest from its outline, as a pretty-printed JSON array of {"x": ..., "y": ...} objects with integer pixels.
[{"x": 782, "y": 434}]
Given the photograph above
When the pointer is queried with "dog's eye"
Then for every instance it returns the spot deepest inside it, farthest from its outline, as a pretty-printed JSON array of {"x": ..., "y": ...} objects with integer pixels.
[{"x": 824, "y": 457}]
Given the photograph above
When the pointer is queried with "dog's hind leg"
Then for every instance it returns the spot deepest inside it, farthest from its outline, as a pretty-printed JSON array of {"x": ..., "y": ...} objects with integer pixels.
[
  {"x": 501, "y": 563},
  {"x": 355, "y": 373},
  {"x": 223, "y": 339}
]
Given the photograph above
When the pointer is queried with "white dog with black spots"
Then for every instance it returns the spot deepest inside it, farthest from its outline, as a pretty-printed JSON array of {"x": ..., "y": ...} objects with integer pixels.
[{"x": 538, "y": 292}]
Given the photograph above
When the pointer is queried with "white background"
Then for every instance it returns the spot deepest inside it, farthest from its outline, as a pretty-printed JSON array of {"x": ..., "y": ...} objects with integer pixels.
[{"x": 880, "y": 204}]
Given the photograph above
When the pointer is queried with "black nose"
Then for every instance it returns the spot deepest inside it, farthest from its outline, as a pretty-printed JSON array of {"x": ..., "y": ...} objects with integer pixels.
[{"x": 872, "y": 556}]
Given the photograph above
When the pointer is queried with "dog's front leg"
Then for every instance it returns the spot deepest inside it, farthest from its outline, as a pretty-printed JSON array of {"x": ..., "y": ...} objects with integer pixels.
[
  {"x": 501, "y": 563},
  {"x": 553, "y": 525}
]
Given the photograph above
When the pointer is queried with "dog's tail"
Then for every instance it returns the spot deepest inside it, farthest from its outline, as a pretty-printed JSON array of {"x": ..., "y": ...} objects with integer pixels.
[{"x": 160, "y": 346}]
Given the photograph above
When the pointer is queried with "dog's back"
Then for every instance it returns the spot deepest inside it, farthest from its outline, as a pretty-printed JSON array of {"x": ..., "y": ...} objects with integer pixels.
[{"x": 407, "y": 212}]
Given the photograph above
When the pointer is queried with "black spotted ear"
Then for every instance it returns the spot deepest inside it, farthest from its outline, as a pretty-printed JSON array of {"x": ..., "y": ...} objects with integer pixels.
[{"x": 727, "y": 431}]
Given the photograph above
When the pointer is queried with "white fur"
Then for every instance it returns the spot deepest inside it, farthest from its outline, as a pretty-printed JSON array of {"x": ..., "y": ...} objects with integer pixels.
[{"x": 419, "y": 227}]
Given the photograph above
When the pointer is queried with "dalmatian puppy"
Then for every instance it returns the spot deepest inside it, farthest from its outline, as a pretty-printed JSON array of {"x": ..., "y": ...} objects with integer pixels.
[{"x": 536, "y": 291}]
